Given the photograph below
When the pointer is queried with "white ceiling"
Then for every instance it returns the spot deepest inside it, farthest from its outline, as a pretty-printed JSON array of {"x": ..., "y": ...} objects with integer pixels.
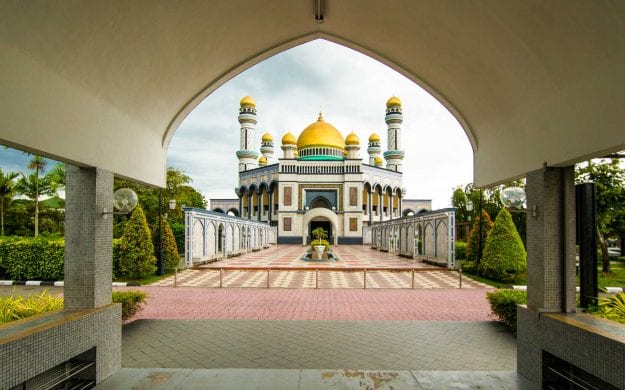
[{"x": 106, "y": 83}]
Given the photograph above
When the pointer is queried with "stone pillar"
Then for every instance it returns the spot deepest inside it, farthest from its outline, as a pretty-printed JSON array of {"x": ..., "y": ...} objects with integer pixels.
[
  {"x": 381, "y": 206},
  {"x": 370, "y": 206},
  {"x": 550, "y": 264},
  {"x": 88, "y": 238},
  {"x": 551, "y": 240},
  {"x": 241, "y": 206},
  {"x": 259, "y": 197},
  {"x": 270, "y": 208},
  {"x": 250, "y": 206}
]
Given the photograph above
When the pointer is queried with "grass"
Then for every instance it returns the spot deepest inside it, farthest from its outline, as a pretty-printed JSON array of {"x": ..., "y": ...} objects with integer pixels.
[{"x": 145, "y": 280}]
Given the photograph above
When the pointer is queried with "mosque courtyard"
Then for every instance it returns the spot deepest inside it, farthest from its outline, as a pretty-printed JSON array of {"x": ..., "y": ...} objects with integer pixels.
[{"x": 280, "y": 266}]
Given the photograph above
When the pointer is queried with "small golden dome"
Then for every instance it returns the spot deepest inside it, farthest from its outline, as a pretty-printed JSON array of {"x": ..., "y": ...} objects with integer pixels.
[
  {"x": 248, "y": 101},
  {"x": 374, "y": 138},
  {"x": 262, "y": 161},
  {"x": 320, "y": 133},
  {"x": 378, "y": 161},
  {"x": 289, "y": 139},
  {"x": 352, "y": 139},
  {"x": 267, "y": 137},
  {"x": 393, "y": 101},
  {"x": 296, "y": 153}
]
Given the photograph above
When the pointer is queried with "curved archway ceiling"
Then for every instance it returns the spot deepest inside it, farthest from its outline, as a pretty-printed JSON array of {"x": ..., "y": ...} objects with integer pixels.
[{"x": 106, "y": 83}]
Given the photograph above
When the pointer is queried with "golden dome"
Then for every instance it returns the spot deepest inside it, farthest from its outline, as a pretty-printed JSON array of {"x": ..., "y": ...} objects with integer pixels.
[
  {"x": 289, "y": 139},
  {"x": 374, "y": 138},
  {"x": 393, "y": 101},
  {"x": 321, "y": 133},
  {"x": 352, "y": 139},
  {"x": 248, "y": 101},
  {"x": 262, "y": 161},
  {"x": 267, "y": 137},
  {"x": 378, "y": 161}
]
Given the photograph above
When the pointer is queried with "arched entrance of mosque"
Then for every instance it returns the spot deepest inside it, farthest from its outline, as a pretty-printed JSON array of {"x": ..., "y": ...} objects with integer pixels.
[{"x": 320, "y": 222}]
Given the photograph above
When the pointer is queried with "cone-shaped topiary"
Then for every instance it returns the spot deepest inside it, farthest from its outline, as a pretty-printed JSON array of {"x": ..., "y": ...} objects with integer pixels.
[
  {"x": 136, "y": 251},
  {"x": 171, "y": 257},
  {"x": 504, "y": 255},
  {"x": 473, "y": 242}
]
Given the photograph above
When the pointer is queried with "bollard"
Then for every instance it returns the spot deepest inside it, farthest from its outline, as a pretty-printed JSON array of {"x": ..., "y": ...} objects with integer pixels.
[
  {"x": 221, "y": 270},
  {"x": 176, "y": 277},
  {"x": 412, "y": 279},
  {"x": 316, "y": 278},
  {"x": 267, "y": 278},
  {"x": 460, "y": 277},
  {"x": 364, "y": 279}
]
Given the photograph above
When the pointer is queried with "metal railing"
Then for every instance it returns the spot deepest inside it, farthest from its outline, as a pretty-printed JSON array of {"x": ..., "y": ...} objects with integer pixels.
[{"x": 364, "y": 270}]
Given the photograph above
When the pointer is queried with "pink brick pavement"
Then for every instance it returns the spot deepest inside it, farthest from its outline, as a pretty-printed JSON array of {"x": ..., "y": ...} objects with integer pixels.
[{"x": 311, "y": 304}]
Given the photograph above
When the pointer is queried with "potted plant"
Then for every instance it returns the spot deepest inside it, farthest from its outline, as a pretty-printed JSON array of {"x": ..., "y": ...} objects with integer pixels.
[{"x": 319, "y": 243}]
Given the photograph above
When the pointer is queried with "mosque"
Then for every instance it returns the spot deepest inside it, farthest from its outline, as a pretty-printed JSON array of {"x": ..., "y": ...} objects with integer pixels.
[{"x": 320, "y": 180}]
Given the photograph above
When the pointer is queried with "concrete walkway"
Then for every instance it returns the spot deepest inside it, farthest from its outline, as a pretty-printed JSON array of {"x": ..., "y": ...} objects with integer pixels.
[{"x": 238, "y": 379}]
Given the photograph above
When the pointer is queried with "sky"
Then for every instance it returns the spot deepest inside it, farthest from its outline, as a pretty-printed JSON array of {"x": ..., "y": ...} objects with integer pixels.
[{"x": 290, "y": 89}]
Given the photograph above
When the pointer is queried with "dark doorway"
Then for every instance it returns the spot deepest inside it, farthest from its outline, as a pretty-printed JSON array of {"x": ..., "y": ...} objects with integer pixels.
[{"x": 325, "y": 224}]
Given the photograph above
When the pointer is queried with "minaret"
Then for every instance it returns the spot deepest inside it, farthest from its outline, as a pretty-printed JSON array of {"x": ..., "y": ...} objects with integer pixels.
[
  {"x": 374, "y": 148},
  {"x": 352, "y": 145},
  {"x": 394, "y": 155},
  {"x": 247, "y": 156},
  {"x": 289, "y": 145},
  {"x": 266, "y": 147}
]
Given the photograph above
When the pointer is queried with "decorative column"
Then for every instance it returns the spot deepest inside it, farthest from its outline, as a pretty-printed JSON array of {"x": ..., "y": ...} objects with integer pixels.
[
  {"x": 259, "y": 198},
  {"x": 250, "y": 207}
]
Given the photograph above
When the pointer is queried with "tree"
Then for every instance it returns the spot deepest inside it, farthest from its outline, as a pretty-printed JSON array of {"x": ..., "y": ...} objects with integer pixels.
[
  {"x": 33, "y": 187},
  {"x": 320, "y": 233},
  {"x": 136, "y": 250},
  {"x": 609, "y": 179},
  {"x": 7, "y": 190},
  {"x": 504, "y": 255},
  {"x": 171, "y": 258},
  {"x": 473, "y": 242}
]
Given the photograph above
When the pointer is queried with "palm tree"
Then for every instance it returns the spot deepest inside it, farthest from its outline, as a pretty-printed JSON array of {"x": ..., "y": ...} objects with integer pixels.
[
  {"x": 7, "y": 188},
  {"x": 32, "y": 188},
  {"x": 57, "y": 177}
]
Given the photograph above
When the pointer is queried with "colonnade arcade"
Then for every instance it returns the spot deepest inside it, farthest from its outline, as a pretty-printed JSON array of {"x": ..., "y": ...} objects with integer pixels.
[
  {"x": 427, "y": 235},
  {"x": 210, "y": 235},
  {"x": 381, "y": 203},
  {"x": 259, "y": 202}
]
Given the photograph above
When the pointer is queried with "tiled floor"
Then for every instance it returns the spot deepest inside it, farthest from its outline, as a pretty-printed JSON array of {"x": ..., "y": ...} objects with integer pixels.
[{"x": 286, "y": 271}]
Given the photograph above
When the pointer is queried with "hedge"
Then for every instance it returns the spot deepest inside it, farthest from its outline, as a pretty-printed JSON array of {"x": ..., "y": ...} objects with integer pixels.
[
  {"x": 503, "y": 304},
  {"x": 461, "y": 250},
  {"x": 31, "y": 259}
]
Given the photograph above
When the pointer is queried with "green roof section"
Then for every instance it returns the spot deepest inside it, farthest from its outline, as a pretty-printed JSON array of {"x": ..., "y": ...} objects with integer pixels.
[{"x": 321, "y": 158}]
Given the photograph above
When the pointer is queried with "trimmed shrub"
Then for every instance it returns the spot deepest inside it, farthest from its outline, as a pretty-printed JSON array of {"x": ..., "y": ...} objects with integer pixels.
[
  {"x": 31, "y": 258},
  {"x": 503, "y": 304},
  {"x": 178, "y": 231},
  {"x": 461, "y": 248},
  {"x": 17, "y": 307},
  {"x": 473, "y": 241},
  {"x": 504, "y": 254},
  {"x": 170, "y": 249},
  {"x": 131, "y": 301},
  {"x": 136, "y": 252}
]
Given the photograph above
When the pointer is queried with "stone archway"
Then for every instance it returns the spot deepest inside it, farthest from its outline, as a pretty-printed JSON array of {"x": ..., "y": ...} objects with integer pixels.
[{"x": 320, "y": 214}]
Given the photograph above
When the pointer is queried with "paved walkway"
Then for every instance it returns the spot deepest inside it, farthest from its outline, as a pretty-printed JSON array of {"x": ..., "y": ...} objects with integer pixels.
[
  {"x": 282, "y": 260},
  {"x": 377, "y": 345},
  {"x": 311, "y": 304}
]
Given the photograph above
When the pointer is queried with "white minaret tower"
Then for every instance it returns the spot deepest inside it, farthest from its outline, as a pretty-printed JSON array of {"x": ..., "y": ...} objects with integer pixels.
[
  {"x": 374, "y": 149},
  {"x": 394, "y": 155},
  {"x": 248, "y": 157},
  {"x": 266, "y": 147}
]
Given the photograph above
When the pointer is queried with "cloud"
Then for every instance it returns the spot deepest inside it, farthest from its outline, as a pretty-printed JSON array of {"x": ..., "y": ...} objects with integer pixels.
[{"x": 351, "y": 89}]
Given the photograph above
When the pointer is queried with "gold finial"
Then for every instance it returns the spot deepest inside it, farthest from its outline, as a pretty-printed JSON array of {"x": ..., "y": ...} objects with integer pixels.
[{"x": 320, "y": 116}]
